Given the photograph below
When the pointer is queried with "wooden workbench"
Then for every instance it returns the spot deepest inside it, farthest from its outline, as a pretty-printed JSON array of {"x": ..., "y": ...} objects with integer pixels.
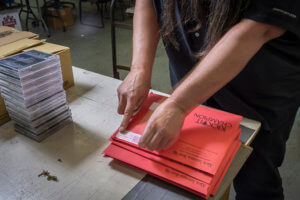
[{"x": 73, "y": 154}]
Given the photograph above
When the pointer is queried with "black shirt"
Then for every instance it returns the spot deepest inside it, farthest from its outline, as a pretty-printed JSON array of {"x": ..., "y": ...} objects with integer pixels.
[{"x": 268, "y": 89}]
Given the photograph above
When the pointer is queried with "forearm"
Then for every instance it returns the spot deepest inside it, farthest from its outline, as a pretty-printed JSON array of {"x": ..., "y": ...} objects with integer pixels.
[
  {"x": 228, "y": 58},
  {"x": 134, "y": 89},
  {"x": 145, "y": 36}
]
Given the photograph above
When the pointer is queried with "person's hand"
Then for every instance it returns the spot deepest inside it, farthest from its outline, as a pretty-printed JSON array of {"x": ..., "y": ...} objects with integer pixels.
[
  {"x": 132, "y": 93},
  {"x": 163, "y": 127}
]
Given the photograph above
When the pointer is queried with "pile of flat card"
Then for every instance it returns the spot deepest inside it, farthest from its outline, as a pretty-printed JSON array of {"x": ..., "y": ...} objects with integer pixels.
[
  {"x": 197, "y": 162},
  {"x": 32, "y": 87}
]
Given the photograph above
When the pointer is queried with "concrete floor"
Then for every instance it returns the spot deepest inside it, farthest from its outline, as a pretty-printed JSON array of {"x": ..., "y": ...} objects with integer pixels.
[{"x": 91, "y": 50}]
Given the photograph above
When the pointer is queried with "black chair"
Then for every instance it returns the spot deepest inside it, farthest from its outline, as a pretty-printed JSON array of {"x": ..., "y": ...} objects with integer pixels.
[
  {"x": 114, "y": 25},
  {"x": 101, "y": 5},
  {"x": 103, "y": 9},
  {"x": 27, "y": 8}
]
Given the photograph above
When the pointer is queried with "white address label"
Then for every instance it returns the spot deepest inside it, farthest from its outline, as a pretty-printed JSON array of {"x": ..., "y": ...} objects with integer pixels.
[
  {"x": 129, "y": 136},
  {"x": 132, "y": 137}
]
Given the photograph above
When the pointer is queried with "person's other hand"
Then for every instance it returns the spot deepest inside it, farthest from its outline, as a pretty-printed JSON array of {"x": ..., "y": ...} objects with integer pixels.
[
  {"x": 132, "y": 93},
  {"x": 163, "y": 127}
]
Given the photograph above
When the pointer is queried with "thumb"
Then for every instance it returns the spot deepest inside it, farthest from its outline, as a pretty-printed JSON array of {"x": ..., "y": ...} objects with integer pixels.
[{"x": 127, "y": 115}]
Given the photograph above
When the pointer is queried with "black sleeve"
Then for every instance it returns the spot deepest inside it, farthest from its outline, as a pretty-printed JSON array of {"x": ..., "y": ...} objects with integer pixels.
[
  {"x": 281, "y": 13},
  {"x": 158, "y": 8}
]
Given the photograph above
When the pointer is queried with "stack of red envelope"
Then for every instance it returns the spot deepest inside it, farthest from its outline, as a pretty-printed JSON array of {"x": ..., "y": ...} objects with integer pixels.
[{"x": 197, "y": 162}]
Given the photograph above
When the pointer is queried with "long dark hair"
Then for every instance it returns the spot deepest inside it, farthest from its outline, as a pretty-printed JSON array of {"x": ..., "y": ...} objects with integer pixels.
[{"x": 221, "y": 16}]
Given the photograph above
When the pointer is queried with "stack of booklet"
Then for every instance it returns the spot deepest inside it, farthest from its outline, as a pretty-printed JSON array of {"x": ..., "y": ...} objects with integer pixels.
[
  {"x": 197, "y": 162},
  {"x": 32, "y": 87}
]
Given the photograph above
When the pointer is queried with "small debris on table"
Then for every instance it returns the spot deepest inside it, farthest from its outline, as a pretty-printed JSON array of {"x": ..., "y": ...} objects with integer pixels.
[
  {"x": 49, "y": 177},
  {"x": 59, "y": 160}
]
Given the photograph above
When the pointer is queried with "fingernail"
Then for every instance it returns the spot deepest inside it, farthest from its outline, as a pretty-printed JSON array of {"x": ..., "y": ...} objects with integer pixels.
[{"x": 121, "y": 129}]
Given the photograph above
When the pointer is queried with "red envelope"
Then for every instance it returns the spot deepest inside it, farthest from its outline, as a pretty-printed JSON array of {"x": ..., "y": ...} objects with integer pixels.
[
  {"x": 207, "y": 178},
  {"x": 205, "y": 137},
  {"x": 207, "y": 144},
  {"x": 158, "y": 170},
  {"x": 212, "y": 181}
]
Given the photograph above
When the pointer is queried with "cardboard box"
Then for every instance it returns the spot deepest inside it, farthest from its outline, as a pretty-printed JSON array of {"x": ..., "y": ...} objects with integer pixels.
[
  {"x": 9, "y": 35},
  {"x": 4, "y": 118},
  {"x": 66, "y": 15},
  {"x": 10, "y": 18},
  {"x": 3, "y": 113},
  {"x": 65, "y": 60},
  {"x": 2, "y": 107},
  {"x": 17, "y": 46}
]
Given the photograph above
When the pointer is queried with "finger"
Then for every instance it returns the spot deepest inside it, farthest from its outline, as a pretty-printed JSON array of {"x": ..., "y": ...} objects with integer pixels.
[
  {"x": 140, "y": 102},
  {"x": 147, "y": 136},
  {"x": 168, "y": 144},
  {"x": 162, "y": 144},
  {"x": 155, "y": 141},
  {"x": 138, "y": 106},
  {"x": 127, "y": 115},
  {"x": 137, "y": 109},
  {"x": 122, "y": 105}
]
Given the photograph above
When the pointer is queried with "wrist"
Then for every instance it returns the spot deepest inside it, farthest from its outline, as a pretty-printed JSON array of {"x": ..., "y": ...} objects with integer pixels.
[
  {"x": 145, "y": 72},
  {"x": 179, "y": 106},
  {"x": 141, "y": 65}
]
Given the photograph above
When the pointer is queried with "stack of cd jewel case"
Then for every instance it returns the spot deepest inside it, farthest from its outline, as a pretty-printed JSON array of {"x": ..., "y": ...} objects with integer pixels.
[{"x": 32, "y": 87}]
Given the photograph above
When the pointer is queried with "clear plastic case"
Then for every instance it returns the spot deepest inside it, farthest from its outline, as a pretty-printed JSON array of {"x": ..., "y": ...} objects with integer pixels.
[
  {"x": 28, "y": 123},
  {"x": 26, "y": 63},
  {"x": 37, "y": 78},
  {"x": 42, "y": 79},
  {"x": 40, "y": 73},
  {"x": 17, "y": 90},
  {"x": 8, "y": 85},
  {"x": 10, "y": 79},
  {"x": 31, "y": 100},
  {"x": 50, "y": 123},
  {"x": 38, "y": 110},
  {"x": 46, "y": 133}
]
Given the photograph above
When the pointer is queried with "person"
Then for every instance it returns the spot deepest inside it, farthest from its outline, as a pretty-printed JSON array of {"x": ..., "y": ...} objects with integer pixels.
[{"x": 241, "y": 56}]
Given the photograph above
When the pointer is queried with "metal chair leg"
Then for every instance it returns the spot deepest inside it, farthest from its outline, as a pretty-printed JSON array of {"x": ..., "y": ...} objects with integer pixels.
[
  {"x": 26, "y": 23},
  {"x": 44, "y": 25},
  {"x": 113, "y": 40},
  {"x": 80, "y": 11},
  {"x": 101, "y": 15},
  {"x": 122, "y": 5}
]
